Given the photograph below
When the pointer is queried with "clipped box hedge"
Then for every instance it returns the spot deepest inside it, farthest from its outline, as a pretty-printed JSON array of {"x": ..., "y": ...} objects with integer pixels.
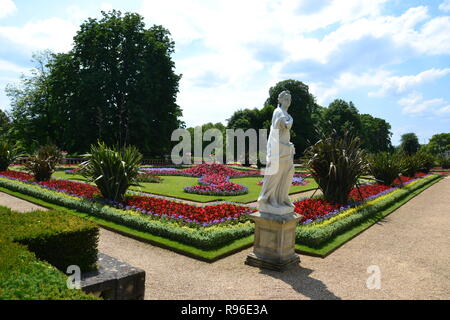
[
  {"x": 24, "y": 277},
  {"x": 56, "y": 237},
  {"x": 26, "y": 239}
]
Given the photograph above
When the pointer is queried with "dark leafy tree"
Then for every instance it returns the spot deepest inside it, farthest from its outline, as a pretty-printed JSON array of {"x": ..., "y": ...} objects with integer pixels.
[
  {"x": 409, "y": 143},
  {"x": 439, "y": 144},
  {"x": 117, "y": 84},
  {"x": 376, "y": 134},
  {"x": 342, "y": 117}
]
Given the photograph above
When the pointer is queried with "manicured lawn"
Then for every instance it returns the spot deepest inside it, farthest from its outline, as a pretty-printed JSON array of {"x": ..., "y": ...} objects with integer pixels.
[{"x": 173, "y": 186}]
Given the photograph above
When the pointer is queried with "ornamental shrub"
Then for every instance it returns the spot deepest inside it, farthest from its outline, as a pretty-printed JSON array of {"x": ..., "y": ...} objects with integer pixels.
[
  {"x": 385, "y": 167},
  {"x": 44, "y": 162},
  {"x": 8, "y": 154},
  {"x": 336, "y": 163},
  {"x": 112, "y": 170},
  {"x": 419, "y": 162},
  {"x": 425, "y": 161},
  {"x": 56, "y": 237},
  {"x": 444, "y": 162}
]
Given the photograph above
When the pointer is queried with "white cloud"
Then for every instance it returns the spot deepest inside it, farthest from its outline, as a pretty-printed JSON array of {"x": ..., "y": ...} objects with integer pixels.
[
  {"x": 444, "y": 110},
  {"x": 416, "y": 104},
  {"x": 401, "y": 84},
  {"x": 445, "y": 6},
  {"x": 7, "y": 7},
  {"x": 55, "y": 34},
  {"x": 105, "y": 6},
  {"x": 6, "y": 66}
]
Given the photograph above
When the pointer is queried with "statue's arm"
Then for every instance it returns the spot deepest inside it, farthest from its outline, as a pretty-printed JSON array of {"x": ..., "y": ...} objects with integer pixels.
[{"x": 286, "y": 122}]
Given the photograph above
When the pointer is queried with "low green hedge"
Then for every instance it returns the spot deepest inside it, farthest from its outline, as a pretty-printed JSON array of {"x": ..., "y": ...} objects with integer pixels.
[
  {"x": 316, "y": 236},
  {"x": 203, "y": 238},
  {"x": 58, "y": 238},
  {"x": 25, "y": 277}
]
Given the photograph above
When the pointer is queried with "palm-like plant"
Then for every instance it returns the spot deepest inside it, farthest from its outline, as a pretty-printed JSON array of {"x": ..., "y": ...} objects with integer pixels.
[
  {"x": 8, "y": 154},
  {"x": 385, "y": 167},
  {"x": 43, "y": 163},
  {"x": 112, "y": 170},
  {"x": 336, "y": 163}
]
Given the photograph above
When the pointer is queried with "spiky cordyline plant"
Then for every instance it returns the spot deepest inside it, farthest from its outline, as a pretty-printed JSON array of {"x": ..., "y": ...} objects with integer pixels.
[
  {"x": 336, "y": 163},
  {"x": 385, "y": 167},
  {"x": 8, "y": 154},
  {"x": 112, "y": 170}
]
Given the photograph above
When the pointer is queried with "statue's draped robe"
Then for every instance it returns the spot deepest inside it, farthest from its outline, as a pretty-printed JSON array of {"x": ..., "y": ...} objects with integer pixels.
[{"x": 274, "y": 197}]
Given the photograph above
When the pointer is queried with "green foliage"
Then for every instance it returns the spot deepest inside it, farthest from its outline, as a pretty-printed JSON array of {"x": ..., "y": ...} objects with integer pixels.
[
  {"x": 425, "y": 161},
  {"x": 439, "y": 144},
  {"x": 418, "y": 162},
  {"x": 117, "y": 84},
  {"x": 52, "y": 236},
  {"x": 113, "y": 171},
  {"x": 5, "y": 124},
  {"x": 385, "y": 167},
  {"x": 55, "y": 237},
  {"x": 44, "y": 162},
  {"x": 8, "y": 154},
  {"x": 444, "y": 162},
  {"x": 23, "y": 277},
  {"x": 376, "y": 134},
  {"x": 336, "y": 163},
  {"x": 342, "y": 117},
  {"x": 409, "y": 143}
]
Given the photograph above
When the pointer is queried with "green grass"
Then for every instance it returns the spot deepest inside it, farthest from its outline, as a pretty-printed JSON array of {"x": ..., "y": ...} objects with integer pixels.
[
  {"x": 341, "y": 239},
  {"x": 204, "y": 255},
  {"x": 172, "y": 186}
]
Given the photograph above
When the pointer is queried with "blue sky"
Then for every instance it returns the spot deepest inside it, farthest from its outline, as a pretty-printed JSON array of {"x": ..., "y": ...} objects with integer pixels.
[{"x": 390, "y": 57}]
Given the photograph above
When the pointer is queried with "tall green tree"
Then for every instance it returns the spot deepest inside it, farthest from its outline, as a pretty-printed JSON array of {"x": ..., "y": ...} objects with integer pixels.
[
  {"x": 439, "y": 144},
  {"x": 409, "y": 143},
  {"x": 375, "y": 133},
  {"x": 342, "y": 116},
  {"x": 32, "y": 113},
  {"x": 117, "y": 84},
  {"x": 5, "y": 124}
]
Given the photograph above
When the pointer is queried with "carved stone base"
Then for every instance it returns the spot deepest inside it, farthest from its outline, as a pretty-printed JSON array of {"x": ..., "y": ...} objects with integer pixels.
[{"x": 274, "y": 246}]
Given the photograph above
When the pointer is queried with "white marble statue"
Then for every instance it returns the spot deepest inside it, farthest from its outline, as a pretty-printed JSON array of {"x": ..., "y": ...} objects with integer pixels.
[{"x": 274, "y": 197}]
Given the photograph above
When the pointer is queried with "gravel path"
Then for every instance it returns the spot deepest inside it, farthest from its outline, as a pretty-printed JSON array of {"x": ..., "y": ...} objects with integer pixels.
[
  {"x": 17, "y": 204},
  {"x": 411, "y": 248}
]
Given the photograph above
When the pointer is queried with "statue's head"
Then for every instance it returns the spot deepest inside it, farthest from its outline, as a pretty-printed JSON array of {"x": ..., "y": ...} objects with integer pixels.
[{"x": 284, "y": 99}]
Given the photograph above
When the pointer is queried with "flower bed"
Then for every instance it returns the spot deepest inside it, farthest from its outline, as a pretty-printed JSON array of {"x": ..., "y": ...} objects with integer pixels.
[
  {"x": 319, "y": 209},
  {"x": 217, "y": 185},
  {"x": 210, "y": 226},
  {"x": 203, "y": 215}
]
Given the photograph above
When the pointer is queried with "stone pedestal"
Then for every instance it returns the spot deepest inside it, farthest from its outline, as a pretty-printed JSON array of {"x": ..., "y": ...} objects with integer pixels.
[{"x": 274, "y": 246}]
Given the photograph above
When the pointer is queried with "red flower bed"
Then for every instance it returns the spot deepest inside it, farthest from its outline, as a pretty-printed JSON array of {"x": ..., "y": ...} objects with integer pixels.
[
  {"x": 17, "y": 175},
  {"x": 217, "y": 168},
  {"x": 190, "y": 213},
  {"x": 72, "y": 188},
  {"x": 311, "y": 209},
  {"x": 402, "y": 179},
  {"x": 367, "y": 191}
]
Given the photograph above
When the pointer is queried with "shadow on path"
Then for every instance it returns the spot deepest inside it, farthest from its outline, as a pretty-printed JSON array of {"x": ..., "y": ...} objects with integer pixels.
[{"x": 298, "y": 278}]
